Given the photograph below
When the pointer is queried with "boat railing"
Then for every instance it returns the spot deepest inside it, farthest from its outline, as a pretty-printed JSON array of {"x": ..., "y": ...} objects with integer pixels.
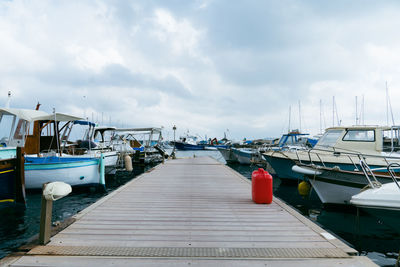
[
  {"x": 392, "y": 173},
  {"x": 311, "y": 152},
  {"x": 373, "y": 182}
]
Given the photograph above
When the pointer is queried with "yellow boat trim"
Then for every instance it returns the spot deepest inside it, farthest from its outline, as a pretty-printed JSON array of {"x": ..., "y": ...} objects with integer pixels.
[
  {"x": 6, "y": 171},
  {"x": 6, "y": 200}
]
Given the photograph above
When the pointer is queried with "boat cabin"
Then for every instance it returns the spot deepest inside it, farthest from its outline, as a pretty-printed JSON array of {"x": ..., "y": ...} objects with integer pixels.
[
  {"x": 361, "y": 139},
  {"x": 49, "y": 133}
]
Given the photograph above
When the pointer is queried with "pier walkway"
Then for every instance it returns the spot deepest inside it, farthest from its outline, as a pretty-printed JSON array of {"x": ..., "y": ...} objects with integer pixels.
[{"x": 190, "y": 212}]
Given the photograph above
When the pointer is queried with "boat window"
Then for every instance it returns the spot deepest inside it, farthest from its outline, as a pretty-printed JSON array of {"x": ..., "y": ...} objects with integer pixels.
[
  {"x": 329, "y": 138},
  {"x": 391, "y": 140},
  {"x": 7, "y": 129},
  {"x": 360, "y": 135}
]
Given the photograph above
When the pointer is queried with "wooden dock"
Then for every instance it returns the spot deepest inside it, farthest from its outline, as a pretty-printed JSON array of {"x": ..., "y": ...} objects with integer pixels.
[{"x": 190, "y": 212}]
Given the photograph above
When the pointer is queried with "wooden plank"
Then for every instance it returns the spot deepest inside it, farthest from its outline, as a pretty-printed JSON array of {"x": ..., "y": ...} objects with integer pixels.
[
  {"x": 189, "y": 203},
  {"x": 184, "y": 262}
]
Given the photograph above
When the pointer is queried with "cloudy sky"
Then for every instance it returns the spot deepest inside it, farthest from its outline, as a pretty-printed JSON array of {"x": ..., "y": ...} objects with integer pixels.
[{"x": 204, "y": 65}]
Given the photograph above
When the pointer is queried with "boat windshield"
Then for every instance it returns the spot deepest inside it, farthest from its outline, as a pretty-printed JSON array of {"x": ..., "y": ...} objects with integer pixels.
[
  {"x": 12, "y": 131},
  {"x": 360, "y": 135},
  {"x": 329, "y": 138}
]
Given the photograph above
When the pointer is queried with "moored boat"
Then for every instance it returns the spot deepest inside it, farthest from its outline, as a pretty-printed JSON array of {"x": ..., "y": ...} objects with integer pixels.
[
  {"x": 244, "y": 155},
  {"x": 228, "y": 154},
  {"x": 75, "y": 171},
  {"x": 340, "y": 147},
  {"x": 45, "y": 161},
  {"x": 381, "y": 201},
  {"x": 336, "y": 186},
  {"x": 14, "y": 125}
]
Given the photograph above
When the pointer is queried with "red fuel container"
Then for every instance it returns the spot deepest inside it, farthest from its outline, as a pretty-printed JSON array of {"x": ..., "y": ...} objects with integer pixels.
[{"x": 261, "y": 184}]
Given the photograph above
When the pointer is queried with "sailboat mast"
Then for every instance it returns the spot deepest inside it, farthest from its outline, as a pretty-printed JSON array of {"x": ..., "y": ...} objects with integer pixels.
[
  {"x": 299, "y": 117},
  {"x": 333, "y": 111},
  {"x": 290, "y": 112},
  {"x": 356, "y": 111},
  {"x": 320, "y": 116},
  {"x": 387, "y": 105}
]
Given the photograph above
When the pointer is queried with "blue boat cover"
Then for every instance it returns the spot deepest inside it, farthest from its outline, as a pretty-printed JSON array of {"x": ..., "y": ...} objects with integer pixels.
[{"x": 85, "y": 123}]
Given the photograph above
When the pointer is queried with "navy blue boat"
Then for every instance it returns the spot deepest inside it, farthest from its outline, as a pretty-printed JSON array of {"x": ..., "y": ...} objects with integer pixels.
[{"x": 186, "y": 146}]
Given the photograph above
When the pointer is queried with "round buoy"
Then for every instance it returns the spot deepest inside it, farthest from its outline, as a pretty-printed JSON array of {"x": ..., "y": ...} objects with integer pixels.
[
  {"x": 128, "y": 163},
  {"x": 304, "y": 188}
]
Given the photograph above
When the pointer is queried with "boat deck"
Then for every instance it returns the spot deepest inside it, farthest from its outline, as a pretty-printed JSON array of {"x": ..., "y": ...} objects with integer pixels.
[{"x": 192, "y": 211}]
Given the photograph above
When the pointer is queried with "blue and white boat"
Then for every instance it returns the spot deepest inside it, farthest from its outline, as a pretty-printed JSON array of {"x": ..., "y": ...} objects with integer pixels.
[
  {"x": 189, "y": 142},
  {"x": 75, "y": 171},
  {"x": 94, "y": 145},
  {"x": 45, "y": 161}
]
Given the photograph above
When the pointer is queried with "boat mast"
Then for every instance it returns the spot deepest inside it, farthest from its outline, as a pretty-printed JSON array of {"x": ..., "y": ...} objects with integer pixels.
[
  {"x": 356, "y": 111},
  {"x": 320, "y": 116},
  {"x": 290, "y": 111},
  {"x": 388, "y": 106},
  {"x": 333, "y": 111},
  {"x": 56, "y": 131},
  {"x": 362, "y": 111},
  {"x": 299, "y": 117}
]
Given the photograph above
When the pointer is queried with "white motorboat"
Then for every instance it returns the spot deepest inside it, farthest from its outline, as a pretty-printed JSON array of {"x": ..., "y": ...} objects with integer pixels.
[{"x": 381, "y": 201}]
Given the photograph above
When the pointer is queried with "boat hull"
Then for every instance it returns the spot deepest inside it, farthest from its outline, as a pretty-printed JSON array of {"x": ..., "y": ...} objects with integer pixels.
[
  {"x": 337, "y": 187},
  {"x": 283, "y": 168},
  {"x": 73, "y": 171},
  {"x": 7, "y": 184},
  {"x": 186, "y": 146},
  {"x": 227, "y": 154},
  {"x": 243, "y": 156}
]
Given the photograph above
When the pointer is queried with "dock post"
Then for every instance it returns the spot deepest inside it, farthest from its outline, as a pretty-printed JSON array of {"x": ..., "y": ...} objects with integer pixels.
[
  {"x": 45, "y": 220},
  {"x": 20, "y": 196},
  {"x": 51, "y": 192}
]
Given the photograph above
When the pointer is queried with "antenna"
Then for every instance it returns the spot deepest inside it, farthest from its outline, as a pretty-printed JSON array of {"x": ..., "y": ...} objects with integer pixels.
[
  {"x": 8, "y": 100},
  {"x": 333, "y": 111}
]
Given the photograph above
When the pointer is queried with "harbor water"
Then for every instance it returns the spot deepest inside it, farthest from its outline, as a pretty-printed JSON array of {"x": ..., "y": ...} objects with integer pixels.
[{"x": 365, "y": 233}]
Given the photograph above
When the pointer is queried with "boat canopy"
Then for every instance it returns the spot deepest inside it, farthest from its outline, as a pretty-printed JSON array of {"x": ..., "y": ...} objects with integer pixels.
[
  {"x": 25, "y": 114},
  {"x": 150, "y": 129},
  {"x": 80, "y": 122},
  {"x": 59, "y": 117}
]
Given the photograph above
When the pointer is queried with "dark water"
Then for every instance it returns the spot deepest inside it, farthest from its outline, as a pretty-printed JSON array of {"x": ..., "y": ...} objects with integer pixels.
[{"x": 365, "y": 233}]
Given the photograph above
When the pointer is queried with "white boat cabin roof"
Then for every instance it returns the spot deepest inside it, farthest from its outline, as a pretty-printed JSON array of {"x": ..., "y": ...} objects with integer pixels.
[
  {"x": 60, "y": 117},
  {"x": 149, "y": 129},
  {"x": 25, "y": 114},
  {"x": 362, "y": 138},
  {"x": 359, "y": 127}
]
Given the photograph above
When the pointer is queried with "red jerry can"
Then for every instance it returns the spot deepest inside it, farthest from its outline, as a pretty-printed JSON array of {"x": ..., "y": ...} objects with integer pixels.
[{"x": 261, "y": 184}]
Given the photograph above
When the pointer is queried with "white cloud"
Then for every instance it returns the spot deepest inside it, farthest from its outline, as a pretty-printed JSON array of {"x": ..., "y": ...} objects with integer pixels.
[
  {"x": 206, "y": 66},
  {"x": 180, "y": 35}
]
